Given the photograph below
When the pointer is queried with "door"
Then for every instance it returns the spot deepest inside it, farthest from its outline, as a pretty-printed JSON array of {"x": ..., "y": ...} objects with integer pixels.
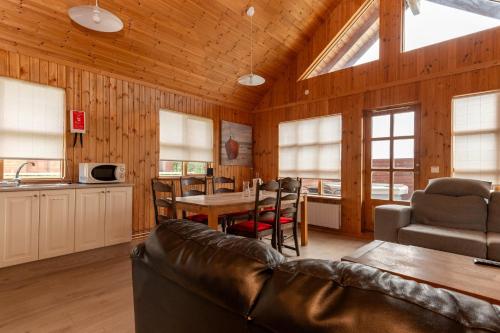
[
  {"x": 57, "y": 223},
  {"x": 118, "y": 215},
  {"x": 89, "y": 218},
  {"x": 391, "y": 159},
  {"x": 19, "y": 222}
]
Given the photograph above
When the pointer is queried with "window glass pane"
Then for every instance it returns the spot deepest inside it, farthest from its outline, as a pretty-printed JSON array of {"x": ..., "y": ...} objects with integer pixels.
[
  {"x": 380, "y": 185},
  {"x": 196, "y": 168},
  {"x": 170, "y": 168},
  {"x": 381, "y": 151},
  {"x": 403, "y": 185},
  {"x": 331, "y": 187},
  {"x": 404, "y": 154},
  {"x": 437, "y": 21},
  {"x": 404, "y": 124},
  {"x": 52, "y": 169},
  {"x": 381, "y": 126},
  {"x": 310, "y": 186}
]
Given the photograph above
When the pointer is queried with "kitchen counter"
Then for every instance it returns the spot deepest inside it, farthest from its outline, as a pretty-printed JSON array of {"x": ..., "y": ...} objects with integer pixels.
[{"x": 58, "y": 186}]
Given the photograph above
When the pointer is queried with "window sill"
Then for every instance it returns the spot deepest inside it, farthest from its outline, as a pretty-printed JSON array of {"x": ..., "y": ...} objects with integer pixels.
[{"x": 324, "y": 199}]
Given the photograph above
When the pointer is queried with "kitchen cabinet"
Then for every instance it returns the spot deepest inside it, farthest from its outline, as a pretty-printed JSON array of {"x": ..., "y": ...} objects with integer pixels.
[
  {"x": 19, "y": 223},
  {"x": 89, "y": 218},
  {"x": 118, "y": 221},
  {"x": 57, "y": 223}
]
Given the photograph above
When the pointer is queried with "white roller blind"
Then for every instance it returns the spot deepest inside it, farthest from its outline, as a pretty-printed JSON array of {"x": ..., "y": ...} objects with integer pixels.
[
  {"x": 185, "y": 138},
  {"x": 311, "y": 148},
  {"x": 31, "y": 121},
  {"x": 476, "y": 135}
]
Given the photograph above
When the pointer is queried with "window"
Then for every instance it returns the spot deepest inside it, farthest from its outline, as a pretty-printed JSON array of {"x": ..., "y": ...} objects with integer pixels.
[
  {"x": 476, "y": 135},
  {"x": 311, "y": 149},
  {"x": 356, "y": 44},
  {"x": 31, "y": 129},
  {"x": 428, "y": 22},
  {"x": 186, "y": 144}
]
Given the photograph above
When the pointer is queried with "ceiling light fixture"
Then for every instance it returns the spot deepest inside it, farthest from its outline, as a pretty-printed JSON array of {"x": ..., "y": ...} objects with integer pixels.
[
  {"x": 95, "y": 18},
  {"x": 251, "y": 79}
]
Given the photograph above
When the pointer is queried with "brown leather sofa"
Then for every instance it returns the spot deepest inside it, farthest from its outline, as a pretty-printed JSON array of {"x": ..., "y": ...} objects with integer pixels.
[{"x": 188, "y": 278}]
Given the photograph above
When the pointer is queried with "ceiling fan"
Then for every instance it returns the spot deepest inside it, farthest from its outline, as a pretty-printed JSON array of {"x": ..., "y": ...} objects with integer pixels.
[
  {"x": 251, "y": 79},
  {"x": 95, "y": 18}
]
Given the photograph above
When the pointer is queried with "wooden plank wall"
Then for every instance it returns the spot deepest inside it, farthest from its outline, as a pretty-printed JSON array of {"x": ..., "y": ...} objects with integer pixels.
[
  {"x": 122, "y": 120},
  {"x": 429, "y": 77}
]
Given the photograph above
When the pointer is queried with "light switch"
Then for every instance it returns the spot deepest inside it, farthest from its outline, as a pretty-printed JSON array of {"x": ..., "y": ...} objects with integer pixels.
[{"x": 434, "y": 169}]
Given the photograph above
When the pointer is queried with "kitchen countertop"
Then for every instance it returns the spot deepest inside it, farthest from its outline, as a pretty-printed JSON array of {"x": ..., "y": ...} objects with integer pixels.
[{"x": 58, "y": 186}]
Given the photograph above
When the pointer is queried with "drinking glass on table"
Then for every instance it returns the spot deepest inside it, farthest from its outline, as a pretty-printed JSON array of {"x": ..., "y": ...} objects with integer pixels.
[{"x": 246, "y": 188}]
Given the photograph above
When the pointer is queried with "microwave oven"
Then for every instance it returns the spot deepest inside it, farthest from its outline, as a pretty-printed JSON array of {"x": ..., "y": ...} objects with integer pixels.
[{"x": 97, "y": 173}]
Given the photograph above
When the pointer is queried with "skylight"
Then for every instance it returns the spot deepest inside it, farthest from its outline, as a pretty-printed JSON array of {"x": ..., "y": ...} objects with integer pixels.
[
  {"x": 435, "y": 21},
  {"x": 357, "y": 43}
]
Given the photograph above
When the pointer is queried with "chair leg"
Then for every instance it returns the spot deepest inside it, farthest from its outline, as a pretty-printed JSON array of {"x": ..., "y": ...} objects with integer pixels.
[
  {"x": 296, "y": 241},
  {"x": 280, "y": 241}
]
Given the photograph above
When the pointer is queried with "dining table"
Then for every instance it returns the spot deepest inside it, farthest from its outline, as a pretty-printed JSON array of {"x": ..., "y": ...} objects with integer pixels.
[{"x": 215, "y": 205}]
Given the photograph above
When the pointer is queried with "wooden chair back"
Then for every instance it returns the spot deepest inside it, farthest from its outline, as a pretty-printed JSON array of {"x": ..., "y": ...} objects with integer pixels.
[
  {"x": 217, "y": 181},
  {"x": 266, "y": 208},
  {"x": 163, "y": 200},
  {"x": 290, "y": 197},
  {"x": 187, "y": 184}
]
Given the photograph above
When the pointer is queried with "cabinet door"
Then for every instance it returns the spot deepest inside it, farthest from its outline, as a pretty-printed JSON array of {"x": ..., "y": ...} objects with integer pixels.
[
  {"x": 19, "y": 221},
  {"x": 89, "y": 218},
  {"x": 118, "y": 215},
  {"x": 57, "y": 223}
]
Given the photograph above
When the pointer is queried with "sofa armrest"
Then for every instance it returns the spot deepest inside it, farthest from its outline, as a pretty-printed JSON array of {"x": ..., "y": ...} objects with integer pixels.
[{"x": 389, "y": 219}]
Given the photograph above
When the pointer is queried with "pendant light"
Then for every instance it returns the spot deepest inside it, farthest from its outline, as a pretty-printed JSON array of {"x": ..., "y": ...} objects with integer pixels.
[
  {"x": 95, "y": 18},
  {"x": 251, "y": 79}
]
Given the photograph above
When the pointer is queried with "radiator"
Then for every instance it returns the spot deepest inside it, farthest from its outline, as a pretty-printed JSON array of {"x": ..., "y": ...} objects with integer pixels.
[{"x": 324, "y": 214}]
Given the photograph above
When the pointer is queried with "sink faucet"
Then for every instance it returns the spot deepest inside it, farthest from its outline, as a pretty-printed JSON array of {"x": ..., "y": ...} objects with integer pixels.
[{"x": 17, "y": 179}]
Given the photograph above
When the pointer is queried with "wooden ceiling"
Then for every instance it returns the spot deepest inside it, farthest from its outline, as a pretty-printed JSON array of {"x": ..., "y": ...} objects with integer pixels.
[{"x": 198, "y": 47}]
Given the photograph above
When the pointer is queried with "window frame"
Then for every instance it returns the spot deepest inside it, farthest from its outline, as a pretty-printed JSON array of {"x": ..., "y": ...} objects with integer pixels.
[
  {"x": 320, "y": 185},
  {"x": 452, "y": 144},
  {"x": 184, "y": 170}
]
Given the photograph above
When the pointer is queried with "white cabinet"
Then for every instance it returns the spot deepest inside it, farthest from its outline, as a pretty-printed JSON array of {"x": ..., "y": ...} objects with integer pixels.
[
  {"x": 118, "y": 221},
  {"x": 19, "y": 222},
  {"x": 89, "y": 220},
  {"x": 57, "y": 223}
]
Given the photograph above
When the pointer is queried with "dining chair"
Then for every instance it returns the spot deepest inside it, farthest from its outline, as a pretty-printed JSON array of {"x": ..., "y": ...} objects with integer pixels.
[
  {"x": 288, "y": 211},
  {"x": 163, "y": 200},
  {"x": 264, "y": 221},
  {"x": 191, "y": 186},
  {"x": 220, "y": 185}
]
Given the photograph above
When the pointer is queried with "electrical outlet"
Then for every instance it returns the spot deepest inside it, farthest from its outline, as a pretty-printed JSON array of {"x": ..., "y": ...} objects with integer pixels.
[{"x": 434, "y": 169}]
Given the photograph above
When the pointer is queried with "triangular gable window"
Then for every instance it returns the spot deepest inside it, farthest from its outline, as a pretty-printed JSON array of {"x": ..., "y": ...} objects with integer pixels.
[
  {"x": 429, "y": 22},
  {"x": 357, "y": 43}
]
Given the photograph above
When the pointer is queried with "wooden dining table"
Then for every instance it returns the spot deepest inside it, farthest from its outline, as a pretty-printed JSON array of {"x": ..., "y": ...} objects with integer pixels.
[{"x": 215, "y": 205}]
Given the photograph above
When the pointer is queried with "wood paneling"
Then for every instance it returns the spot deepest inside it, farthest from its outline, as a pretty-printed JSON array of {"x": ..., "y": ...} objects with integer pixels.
[
  {"x": 429, "y": 77},
  {"x": 196, "y": 47},
  {"x": 122, "y": 123}
]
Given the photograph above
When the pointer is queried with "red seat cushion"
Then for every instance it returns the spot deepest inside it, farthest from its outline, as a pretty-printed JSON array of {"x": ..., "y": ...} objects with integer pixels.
[
  {"x": 247, "y": 226},
  {"x": 202, "y": 218},
  {"x": 283, "y": 220}
]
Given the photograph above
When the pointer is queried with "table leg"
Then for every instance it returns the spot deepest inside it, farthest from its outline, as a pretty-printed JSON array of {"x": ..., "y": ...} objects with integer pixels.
[
  {"x": 304, "y": 236},
  {"x": 179, "y": 213},
  {"x": 213, "y": 219}
]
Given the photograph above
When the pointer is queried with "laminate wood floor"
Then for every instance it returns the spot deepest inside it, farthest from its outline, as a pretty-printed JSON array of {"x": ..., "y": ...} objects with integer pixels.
[{"x": 92, "y": 291}]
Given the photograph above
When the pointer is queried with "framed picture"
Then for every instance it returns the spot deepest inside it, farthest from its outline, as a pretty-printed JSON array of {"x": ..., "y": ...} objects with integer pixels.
[{"x": 236, "y": 144}]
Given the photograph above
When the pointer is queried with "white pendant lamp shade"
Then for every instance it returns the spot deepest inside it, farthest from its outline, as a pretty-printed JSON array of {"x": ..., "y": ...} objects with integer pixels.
[
  {"x": 251, "y": 79},
  {"x": 95, "y": 18}
]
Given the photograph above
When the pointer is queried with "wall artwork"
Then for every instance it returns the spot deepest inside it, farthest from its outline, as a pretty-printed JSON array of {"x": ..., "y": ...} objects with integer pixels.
[{"x": 236, "y": 144}]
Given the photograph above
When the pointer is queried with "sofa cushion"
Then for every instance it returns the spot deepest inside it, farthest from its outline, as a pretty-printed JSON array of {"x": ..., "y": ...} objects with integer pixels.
[
  {"x": 322, "y": 296},
  {"x": 460, "y": 241},
  {"x": 493, "y": 241},
  {"x": 494, "y": 212},
  {"x": 459, "y": 187},
  {"x": 468, "y": 212},
  {"x": 229, "y": 271}
]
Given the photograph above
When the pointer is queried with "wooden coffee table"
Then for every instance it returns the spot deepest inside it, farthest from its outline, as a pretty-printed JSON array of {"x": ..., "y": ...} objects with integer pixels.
[{"x": 437, "y": 268}]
